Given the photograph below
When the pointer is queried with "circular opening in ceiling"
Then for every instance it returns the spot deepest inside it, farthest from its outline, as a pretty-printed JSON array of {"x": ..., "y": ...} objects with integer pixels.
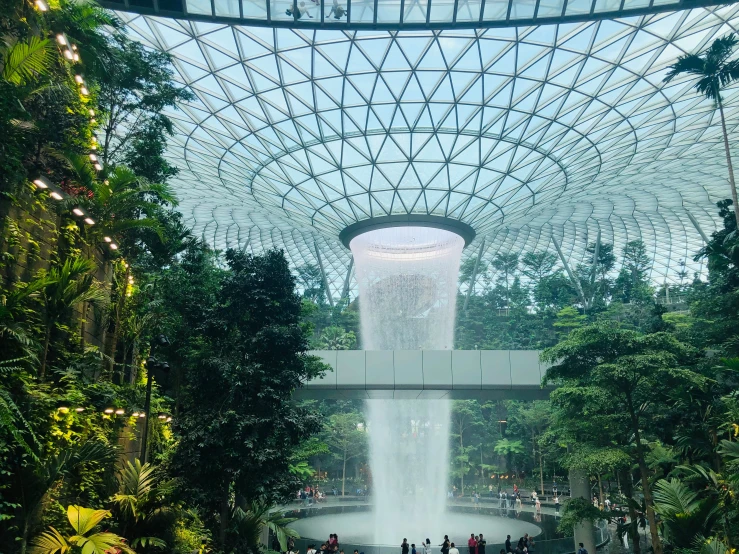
[{"x": 407, "y": 220}]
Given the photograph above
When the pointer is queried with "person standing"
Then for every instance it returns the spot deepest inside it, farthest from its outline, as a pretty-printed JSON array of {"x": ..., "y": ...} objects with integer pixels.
[
  {"x": 481, "y": 542},
  {"x": 404, "y": 548},
  {"x": 413, "y": 548},
  {"x": 508, "y": 544},
  {"x": 582, "y": 549},
  {"x": 454, "y": 550},
  {"x": 556, "y": 504},
  {"x": 538, "y": 505},
  {"x": 445, "y": 545},
  {"x": 490, "y": 490},
  {"x": 472, "y": 544},
  {"x": 427, "y": 547}
]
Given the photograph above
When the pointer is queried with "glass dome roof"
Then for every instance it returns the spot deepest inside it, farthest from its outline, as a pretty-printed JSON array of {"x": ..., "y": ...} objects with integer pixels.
[{"x": 523, "y": 133}]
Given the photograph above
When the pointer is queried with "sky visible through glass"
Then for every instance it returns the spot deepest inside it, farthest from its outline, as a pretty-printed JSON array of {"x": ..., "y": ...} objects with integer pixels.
[{"x": 524, "y": 133}]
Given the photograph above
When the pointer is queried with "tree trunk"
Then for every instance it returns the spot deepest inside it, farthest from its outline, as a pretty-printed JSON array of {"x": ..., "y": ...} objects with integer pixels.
[
  {"x": 728, "y": 161},
  {"x": 600, "y": 491},
  {"x": 24, "y": 538},
  {"x": 224, "y": 520},
  {"x": 343, "y": 474},
  {"x": 541, "y": 470},
  {"x": 632, "y": 530},
  {"x": 646, "y": 490},
  {"x": 47, "y": 339},
  {"x": 134, "y": 365},
  {"x": 483, "y": 479}
]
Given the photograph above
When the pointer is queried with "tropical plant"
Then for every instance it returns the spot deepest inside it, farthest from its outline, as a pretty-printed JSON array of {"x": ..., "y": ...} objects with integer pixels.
[
  {"x": 11, "y": 417},
  {"x": 12, "y": 308},
  {"x": 507, "y": 448},
  {"x": 683, "y": 514},
  {"x": 35, "y": 481},
  {"x": 123, "y": 201},
  {"x": 719, "y": 489},
  {"x": 67, "y": 286},
  {"x": 136, "y": 502},
  {"x": 714, "y": 70},
  {"x": 89, "y": 541},
  {"x": 336, "y": 338},
  {"x": 24, "y": 61},
  {"x": 250, "y": 522}
]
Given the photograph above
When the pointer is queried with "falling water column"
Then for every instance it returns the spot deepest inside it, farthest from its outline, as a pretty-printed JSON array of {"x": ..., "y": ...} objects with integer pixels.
[{"x": 407, "y": 288}]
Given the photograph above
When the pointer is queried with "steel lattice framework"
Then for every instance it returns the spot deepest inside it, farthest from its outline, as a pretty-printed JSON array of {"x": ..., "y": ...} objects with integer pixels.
[{"x": 531, "y": 135}]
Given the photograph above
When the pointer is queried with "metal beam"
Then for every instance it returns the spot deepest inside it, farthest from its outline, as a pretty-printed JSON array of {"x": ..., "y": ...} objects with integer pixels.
[
  {"x": 323, "y": 275},
  {"x": 697, "y": 226},
  {"x": 595, "y": 258},
  {"x": 347, "y": 280},
  {"x": 474, "y": 274},
  {"x": 596, "y": 255},
  {"x": 570, "y": 274}
]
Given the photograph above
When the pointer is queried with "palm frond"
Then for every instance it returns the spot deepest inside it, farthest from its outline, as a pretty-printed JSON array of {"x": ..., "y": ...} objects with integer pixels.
[
  {"x": 690, "y": 63},
  {"x": 25, "y": 61},
  {"x": 674, "y": 497},
  {"x": 50, "y": 542},
  {"x": 720, "y": 50}
]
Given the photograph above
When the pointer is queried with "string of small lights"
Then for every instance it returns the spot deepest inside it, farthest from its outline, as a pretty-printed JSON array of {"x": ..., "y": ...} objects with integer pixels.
[
  {"x": 70, "y": 53},
  {"x": 110, "y": 411}
]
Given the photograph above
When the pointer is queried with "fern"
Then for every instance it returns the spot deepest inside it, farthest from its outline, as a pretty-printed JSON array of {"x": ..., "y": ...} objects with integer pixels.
[
  {"x": 12, "y": 420},
  {"x": 25, "y": 61}
]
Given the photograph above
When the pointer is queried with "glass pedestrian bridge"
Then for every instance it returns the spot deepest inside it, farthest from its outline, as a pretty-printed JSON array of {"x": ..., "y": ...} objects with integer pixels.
[
  {"x": 401, "y": 14},
  {"x": 429, "y": 374}
]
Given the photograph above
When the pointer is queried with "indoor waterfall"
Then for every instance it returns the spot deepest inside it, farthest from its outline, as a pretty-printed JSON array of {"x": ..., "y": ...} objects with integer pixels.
[{"x": 407, "y": 288}]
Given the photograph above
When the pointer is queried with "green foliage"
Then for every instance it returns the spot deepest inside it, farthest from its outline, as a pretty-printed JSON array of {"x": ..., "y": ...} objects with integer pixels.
[
  {"x": 336, "y": 338},
  {"x": 23, "y": 62},
  {"x": 251, "y": 520},
  {"x": 576, "y": 511},
  {"x": 237, "y": 420},
  {"x": 83, "y": 521},
  {"x": 136, "y": 85},
  {"x": 683, "y": 515}
]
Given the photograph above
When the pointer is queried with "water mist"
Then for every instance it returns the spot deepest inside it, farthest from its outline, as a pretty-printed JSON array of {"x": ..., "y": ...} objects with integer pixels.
[{"x": 407, "y": 288}]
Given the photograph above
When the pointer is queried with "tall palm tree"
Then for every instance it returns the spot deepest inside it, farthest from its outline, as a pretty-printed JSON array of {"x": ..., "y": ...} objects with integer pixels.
[
  {"x": 68, "y": 285},
  {"x": 714, "y": 71}
]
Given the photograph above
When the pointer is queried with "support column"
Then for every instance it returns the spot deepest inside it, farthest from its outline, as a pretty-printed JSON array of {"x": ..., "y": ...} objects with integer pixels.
[
  {"x": 347, "y": 280},
  {"x": 474, "y": 274},
  {"x": 595, "y": 259},
  {"x": 574, "y": 280},
  {"x": 697, "y": 226},
  {"x": 323, "y": 275},
  {"x": 584, "y": 531}
]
